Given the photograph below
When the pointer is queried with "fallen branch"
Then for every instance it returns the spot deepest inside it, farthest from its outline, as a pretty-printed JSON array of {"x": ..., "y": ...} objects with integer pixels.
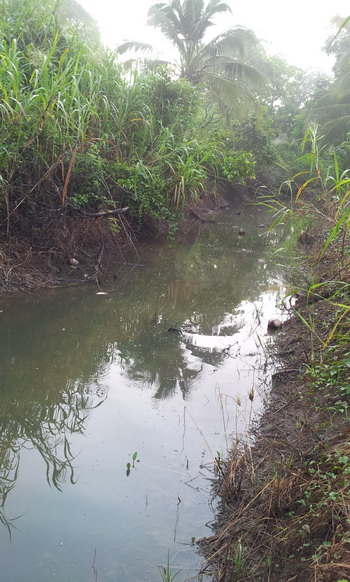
[{"x": 105, "y": 213}]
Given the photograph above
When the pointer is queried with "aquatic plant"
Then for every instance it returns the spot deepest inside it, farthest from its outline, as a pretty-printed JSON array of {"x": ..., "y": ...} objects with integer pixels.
[
  {"x": 165, "y": 572},
  {"x": 129, "y": 465}
]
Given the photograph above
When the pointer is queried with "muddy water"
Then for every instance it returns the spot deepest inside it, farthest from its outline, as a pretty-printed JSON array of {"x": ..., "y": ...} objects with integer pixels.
[{"x": 110, "y": 422}]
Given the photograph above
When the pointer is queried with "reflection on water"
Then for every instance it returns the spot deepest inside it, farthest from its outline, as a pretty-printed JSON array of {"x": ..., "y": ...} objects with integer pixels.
[{"x": 88, "y": 380}]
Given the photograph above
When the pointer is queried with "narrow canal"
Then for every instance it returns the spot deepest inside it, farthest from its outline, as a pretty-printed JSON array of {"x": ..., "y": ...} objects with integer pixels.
[{"x": 110, "y": 422}]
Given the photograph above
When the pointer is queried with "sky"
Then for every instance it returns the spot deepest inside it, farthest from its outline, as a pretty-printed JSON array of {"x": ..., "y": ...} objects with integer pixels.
[{"x": 296, "y": 30}]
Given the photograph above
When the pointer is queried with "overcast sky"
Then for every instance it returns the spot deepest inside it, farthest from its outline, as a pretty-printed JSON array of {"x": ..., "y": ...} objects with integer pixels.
[{"x": 297, "y": 30}]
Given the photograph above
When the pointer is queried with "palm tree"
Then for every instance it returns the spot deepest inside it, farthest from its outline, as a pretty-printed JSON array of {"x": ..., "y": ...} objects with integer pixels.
[
  {"x": 219, "y": 64},
  {"x": 184, "y": 25}
]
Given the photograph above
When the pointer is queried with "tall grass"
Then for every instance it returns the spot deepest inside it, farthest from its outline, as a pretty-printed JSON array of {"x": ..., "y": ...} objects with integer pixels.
[
  {"x": 77, "y": 130},
  {"x": 319, "y": 196}
]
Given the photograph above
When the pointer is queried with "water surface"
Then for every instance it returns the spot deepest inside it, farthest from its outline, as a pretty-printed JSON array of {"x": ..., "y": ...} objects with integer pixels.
[{"x": 110, "y": 422}]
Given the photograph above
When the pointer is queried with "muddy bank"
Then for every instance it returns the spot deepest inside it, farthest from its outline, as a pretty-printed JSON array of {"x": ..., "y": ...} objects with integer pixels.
[
  {"x": 68, "y": 249},
  {"x": 284, "y": 501}
]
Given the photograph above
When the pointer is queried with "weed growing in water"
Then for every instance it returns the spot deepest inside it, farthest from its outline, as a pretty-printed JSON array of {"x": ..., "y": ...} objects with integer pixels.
[
  {"x": 166, "y": 573},
  {"x": 130, "y": 466}
]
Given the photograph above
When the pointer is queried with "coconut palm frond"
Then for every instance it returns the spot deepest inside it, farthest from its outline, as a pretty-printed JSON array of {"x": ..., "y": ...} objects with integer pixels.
[
  {"x": 134, "y": 45},
  {"x": 227, "y": 43},
  {"x": 222, "y": 60},
  {"x": 235, "y": 41},
  {"x": 216, "y": 7},
  {"x": 337, "y": 128},
  {"x": 341, "y": 28},
  {"x": 236, "y": 70},
  {"x": 151, "y": 64},
  {"x": 204, "y": 14},
  {"x": 234, "y": 100},
  {"x": 165, "y": 17},
  {"x": 342, "y": 87},
  {"x": 332, "y": 111}
]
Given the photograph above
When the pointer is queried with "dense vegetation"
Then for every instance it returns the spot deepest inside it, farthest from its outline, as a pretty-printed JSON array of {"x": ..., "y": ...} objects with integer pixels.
[
  {"x": 80, "y": 133},
  {"x": 84, "y": 135}
]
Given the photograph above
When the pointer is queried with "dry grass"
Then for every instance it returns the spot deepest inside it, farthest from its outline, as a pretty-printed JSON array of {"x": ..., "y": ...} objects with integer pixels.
[{"x": 280, "y": 522}]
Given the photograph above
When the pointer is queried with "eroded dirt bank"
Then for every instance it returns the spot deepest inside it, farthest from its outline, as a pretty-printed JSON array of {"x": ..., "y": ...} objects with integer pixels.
[
  {"x": 284, "y": 511},
  {"x": 67, "y": 248}
]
